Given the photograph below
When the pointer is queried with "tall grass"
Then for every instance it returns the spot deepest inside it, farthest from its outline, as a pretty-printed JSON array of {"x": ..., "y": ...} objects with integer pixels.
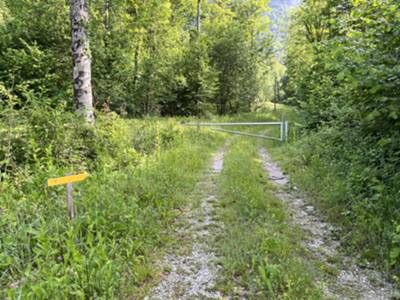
[{"x": 140, "y": 172}]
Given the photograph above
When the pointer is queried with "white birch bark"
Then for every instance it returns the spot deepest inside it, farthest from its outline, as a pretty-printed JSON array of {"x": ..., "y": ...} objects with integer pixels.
[
  {"x": 79, "y": 13},
  {"x": 198, "y": 15}
]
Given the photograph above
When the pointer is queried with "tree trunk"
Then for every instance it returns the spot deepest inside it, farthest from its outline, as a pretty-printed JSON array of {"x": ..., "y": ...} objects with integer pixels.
[
  {"x": 79, "y": 14},
  {"x": 136, "y": 67},
  {"x": 198, "y": 15},
  {"x": 276, "y": 92}
]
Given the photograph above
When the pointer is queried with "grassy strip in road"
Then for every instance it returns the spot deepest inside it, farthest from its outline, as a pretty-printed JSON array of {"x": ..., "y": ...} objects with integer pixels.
[{"x": 260, "y": 253}]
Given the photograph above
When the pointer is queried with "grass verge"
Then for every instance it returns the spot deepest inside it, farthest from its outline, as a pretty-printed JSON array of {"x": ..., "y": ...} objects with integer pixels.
[{"x": 140, "y": 174}]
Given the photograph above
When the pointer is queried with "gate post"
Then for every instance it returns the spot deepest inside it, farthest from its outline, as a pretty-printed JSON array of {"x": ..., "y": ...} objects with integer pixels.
[{"x": 286, "y": 131}]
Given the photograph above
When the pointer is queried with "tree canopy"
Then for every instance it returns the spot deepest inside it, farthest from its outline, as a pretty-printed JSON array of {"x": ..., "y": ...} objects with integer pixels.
[{"x": 147, "y": 56}]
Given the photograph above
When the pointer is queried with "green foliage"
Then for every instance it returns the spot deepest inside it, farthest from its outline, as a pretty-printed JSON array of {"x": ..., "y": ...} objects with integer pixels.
[
  {"x": 342, "y": 72},
  {"x": 3, "y": 14},
  {"x": 232, "y": 57},
  {"x": 124, "y": 210},
  {"x": 194, "y": 89},
  {"x": 35, "y": 50},
  {"x": 241, "y": 47},
  {"x": 146, "y": 57},
  {"x": 351, "y": 73},
  {"x": 258, "y": 248}
]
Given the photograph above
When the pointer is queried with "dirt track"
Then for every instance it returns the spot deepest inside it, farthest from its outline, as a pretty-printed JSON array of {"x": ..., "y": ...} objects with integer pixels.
[
  {"x": 192, "y": 275},
  {"x": 351, "y": 281}
]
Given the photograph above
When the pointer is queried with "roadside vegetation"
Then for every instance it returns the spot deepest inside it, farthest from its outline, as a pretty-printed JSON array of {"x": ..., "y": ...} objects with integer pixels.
[
  {"x": 124, "y": 209},
  {"x": 343, "y": 77}
]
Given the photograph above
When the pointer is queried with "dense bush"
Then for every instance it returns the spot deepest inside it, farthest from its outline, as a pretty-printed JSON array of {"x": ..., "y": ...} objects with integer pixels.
[{"x": 346, "y": 82}]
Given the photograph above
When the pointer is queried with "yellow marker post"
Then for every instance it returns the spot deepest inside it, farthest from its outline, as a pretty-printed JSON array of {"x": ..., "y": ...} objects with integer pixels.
[{"x": 68, "y": 180}]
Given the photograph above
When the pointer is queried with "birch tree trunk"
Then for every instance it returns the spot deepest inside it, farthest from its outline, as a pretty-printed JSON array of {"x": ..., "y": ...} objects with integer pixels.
[
  {"x": 79, "y": 13},
  {"x": 198, "y": 15}
]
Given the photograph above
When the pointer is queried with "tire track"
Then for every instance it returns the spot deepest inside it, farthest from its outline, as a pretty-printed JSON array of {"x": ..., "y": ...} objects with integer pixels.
[
  {"x": 192, "y": 275},
  {"x": 351, "y": 281}
]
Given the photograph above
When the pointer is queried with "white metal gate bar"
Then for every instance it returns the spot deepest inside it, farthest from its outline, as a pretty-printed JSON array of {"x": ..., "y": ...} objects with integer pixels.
[
  {"x": 284, "y": 128},
  {"x": 234, "y": 124},
  {"x": 247, "y": 134}
]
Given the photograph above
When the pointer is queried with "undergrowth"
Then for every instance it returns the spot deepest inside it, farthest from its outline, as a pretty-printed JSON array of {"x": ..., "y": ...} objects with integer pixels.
[
  {"x": 140, "y": 172},
  {"x": 258, "y": 249}
]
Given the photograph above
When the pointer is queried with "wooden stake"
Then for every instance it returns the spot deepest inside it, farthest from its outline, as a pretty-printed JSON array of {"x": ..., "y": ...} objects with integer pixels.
[{"x": 70, "y": 201}]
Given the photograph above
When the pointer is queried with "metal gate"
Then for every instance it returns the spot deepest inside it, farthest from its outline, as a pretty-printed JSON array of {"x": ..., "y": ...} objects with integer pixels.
[{"x": 283, "y": 126}]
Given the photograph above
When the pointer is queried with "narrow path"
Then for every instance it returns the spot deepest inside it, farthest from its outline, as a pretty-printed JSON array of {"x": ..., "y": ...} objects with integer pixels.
[
  {"x": 191, "y": 269},
  {"x": 350, "y": 282}
]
